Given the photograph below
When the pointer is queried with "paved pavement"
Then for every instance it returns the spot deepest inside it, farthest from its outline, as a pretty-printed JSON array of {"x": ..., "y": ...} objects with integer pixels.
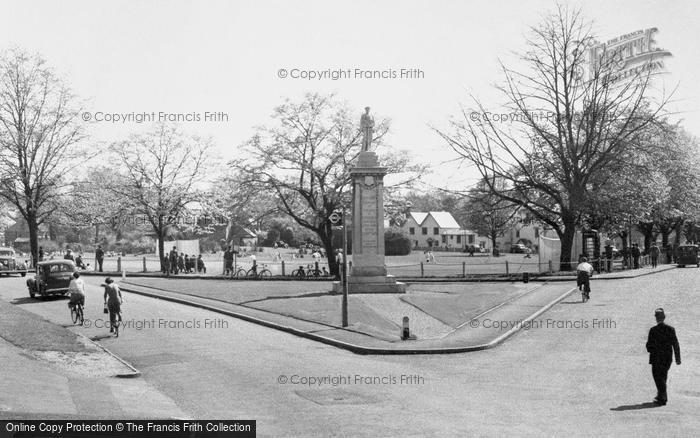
[{"x": 567, "y": 378}]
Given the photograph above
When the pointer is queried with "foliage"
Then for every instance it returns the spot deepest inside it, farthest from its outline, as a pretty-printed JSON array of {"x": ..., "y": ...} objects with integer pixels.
[
  {"x": 39, "y": 133},
  {"x": 160, "y": 180},
  {"x": 396, "y": 242},
  {"x": 568, "y": 130},
  {"x": 303, "y": 159}
]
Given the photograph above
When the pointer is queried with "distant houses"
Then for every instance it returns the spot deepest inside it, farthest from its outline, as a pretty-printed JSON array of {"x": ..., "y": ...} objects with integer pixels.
[{"x": 439, "y": 229}]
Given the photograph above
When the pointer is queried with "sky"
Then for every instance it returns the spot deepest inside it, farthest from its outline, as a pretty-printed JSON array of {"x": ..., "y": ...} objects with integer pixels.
[{"x": 229, "y": 57}]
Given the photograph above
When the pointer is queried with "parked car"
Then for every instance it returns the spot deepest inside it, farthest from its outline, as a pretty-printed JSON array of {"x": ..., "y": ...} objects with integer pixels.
[
  {"x": 518, "y": 248},
  {"x": 688, "y": 255},
  {"x": 52, "y": 278},
  {"x": 9, "y": 263}
]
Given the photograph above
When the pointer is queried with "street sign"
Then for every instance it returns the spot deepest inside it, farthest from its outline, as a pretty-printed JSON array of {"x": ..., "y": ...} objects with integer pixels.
[{"x": 336, "y": 218}]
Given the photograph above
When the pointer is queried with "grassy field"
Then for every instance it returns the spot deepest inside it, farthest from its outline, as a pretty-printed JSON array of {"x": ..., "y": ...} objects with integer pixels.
[{"x": 446, "y": 264}]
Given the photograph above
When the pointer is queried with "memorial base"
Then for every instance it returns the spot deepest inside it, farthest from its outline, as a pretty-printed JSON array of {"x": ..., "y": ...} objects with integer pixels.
[{"x": 371, "y": 285}]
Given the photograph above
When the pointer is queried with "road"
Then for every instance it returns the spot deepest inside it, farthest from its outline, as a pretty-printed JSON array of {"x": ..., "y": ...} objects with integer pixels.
[{"x": 583, "y": 371}]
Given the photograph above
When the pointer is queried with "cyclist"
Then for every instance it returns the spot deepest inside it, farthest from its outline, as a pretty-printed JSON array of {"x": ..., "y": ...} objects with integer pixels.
[
  {"x": 113, "y": 301},
  {"x": 76, "y": 288},
  {"x": 584, "y": 271}
]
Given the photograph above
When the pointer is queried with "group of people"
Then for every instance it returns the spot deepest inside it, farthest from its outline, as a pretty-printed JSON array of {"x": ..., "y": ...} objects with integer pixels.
[
  {"x": 175, "y": 263},
  {"x": 77, "y": 259},
  {"x": 112, "y": 299}
]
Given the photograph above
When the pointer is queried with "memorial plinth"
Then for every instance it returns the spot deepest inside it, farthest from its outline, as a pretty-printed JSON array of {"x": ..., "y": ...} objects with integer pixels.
[{"x": 368, "y": 273}]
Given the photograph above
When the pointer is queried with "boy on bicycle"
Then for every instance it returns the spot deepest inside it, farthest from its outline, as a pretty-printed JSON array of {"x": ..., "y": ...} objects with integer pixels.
[
  {"x": 76, "y": 288},
  {"x": 584, "y": 271}
]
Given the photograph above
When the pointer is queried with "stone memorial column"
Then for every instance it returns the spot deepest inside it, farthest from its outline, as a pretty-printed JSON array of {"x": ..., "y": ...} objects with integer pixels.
[{"x": 368, "y": 273}]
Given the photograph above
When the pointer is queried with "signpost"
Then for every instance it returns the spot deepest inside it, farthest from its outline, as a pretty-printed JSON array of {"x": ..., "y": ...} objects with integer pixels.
[{"x": 336, "y": 219}]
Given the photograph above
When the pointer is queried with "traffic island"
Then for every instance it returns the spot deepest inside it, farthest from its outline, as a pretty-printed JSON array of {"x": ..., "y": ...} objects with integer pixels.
[{"x": 57, "y": 346}]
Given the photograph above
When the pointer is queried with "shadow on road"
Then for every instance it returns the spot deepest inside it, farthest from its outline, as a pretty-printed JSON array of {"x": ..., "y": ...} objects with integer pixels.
[
  {"x": 101, "y": 337},
  {"x": 28, "y": 300},
  {"x": 571, "y": 302},
  {"x": 638, "y": 406}
]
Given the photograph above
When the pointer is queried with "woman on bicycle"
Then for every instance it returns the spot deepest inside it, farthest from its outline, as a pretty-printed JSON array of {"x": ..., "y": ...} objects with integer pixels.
[
  {"x": 113, "y": 301},
  {"x": 76, "y": 288}
]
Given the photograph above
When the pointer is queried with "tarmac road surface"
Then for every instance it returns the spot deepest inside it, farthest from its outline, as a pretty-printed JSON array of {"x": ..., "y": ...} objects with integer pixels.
[{"x": 579, "y": 370}]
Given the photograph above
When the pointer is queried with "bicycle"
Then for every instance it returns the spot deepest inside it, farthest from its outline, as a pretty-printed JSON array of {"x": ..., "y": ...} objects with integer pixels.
[
  {"x": 76, "y": 313},
  {"x": 263, "y": 273},
  {"x": 312, "y": 271},
  {"x": 299, "y": 272},
  {"x": 240, "y": 272}
]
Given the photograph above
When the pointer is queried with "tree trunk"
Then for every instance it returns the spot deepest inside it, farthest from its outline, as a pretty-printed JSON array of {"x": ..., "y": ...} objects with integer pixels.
[
  {"x": 647, "y": 229},
  {"x": 326, "y": 235},
  {"x": 33, "y": 238},
  {"x": 160, "y": 232},
  {"x": 567, "y": 243},
  {"x": 493, "y": 243},
  {"x": 677, "y": 229}
]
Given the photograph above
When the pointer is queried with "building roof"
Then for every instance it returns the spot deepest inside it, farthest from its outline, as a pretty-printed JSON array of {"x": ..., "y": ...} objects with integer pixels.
[
  {"x": 419, "y": 217},
  {"x": 444, "y": 219}
]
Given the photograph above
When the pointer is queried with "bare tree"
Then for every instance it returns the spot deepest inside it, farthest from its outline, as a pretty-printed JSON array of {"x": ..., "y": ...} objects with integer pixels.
[
  {"x": 488, "y": 214},
  {"x": 305, "y": 158},
  {"x": 39, "y": 131},
  {"x": 566, "y": 128},
  {"x": 161, "y": 176}
]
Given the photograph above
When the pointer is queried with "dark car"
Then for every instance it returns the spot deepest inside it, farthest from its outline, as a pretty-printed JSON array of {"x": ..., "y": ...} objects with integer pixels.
[
  {"x": 52, "y": 278},
  {"x": 518, "y": 248},
  {"x": 688, "y": 255}
]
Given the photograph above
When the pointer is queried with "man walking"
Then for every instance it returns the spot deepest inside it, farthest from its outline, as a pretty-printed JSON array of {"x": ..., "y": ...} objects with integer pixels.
[
  {"x": 636, "y": 253},
  {"x": 662, "y": 344},
  {"x": 100, "y": 257},
  {"x": 654, "y": 253}
]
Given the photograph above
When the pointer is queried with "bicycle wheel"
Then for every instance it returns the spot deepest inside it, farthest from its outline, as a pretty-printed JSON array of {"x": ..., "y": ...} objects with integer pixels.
[
  {"x": 265, "y": 273},
  {"x": 240, "y": 273},
  {"x": 252, "y": 273},
  {"x": 74, "y": 314},
  {"x": 298, "y": 273}
]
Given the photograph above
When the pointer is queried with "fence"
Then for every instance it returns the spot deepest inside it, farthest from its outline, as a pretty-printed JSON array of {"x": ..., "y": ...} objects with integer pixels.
[{"x": 443, "y": 268}]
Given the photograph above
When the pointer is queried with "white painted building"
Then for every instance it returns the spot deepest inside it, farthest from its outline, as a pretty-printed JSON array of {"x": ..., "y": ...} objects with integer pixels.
[{"x": 439, "y": 229}]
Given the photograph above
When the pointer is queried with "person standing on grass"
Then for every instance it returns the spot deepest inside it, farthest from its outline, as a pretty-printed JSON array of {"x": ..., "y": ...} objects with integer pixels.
[
  {"x": 654, "y": 253},
  {"x": 173, "y": 260},
  {"x": 662, "y": 345},
  {"x": 181, "y": 262},
  {"x": 636, "y": 254},
  {"x": 228, "y": 261},
  {"x": 100, "y": 256}
]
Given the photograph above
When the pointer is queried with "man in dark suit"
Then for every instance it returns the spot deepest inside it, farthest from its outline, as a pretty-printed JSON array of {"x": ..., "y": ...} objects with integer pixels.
[
  {"x": 100, "y": 257},
  {"x": 173, "y": 260},
  {"x": 662, "y": 345}
]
